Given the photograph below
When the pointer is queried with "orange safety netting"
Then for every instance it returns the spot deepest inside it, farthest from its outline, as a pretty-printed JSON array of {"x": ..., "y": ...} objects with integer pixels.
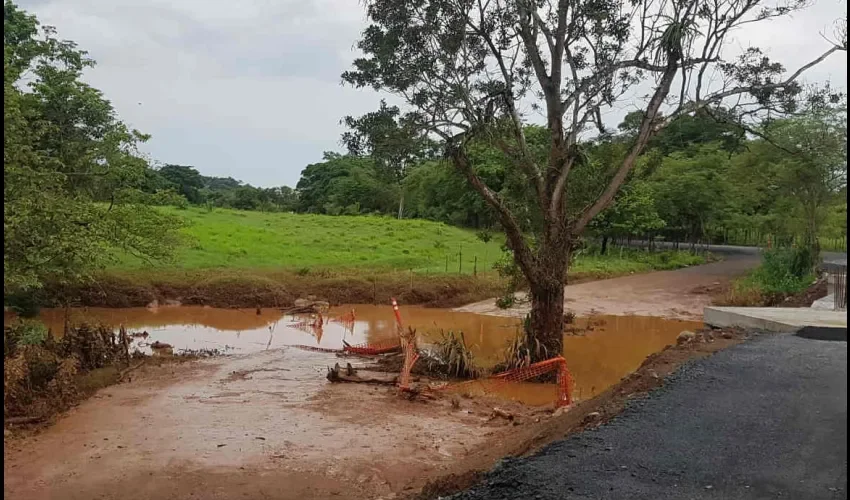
[
  {"x": 558, "y": 363},
  {"x": 348, "y": 317},
  {"x": 384, "y": 347},
  {"x": 408, "y": 343}
]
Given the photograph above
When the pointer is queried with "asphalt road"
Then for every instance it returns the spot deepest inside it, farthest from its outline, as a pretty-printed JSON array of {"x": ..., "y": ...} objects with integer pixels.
[
  {"x": 762, "y": 420},
  {"x": 733, "y": 250}
]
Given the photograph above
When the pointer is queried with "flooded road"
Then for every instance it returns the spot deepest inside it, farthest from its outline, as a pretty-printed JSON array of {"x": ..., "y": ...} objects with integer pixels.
[
  {"x": 599, "y": 350},
  {"x": 264, "y": 423}
]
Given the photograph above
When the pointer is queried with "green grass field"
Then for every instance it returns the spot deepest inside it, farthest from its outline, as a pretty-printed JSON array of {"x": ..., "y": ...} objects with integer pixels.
[
  {"x": 238, "y": 239},
  {"x": 302, "y": 242}
]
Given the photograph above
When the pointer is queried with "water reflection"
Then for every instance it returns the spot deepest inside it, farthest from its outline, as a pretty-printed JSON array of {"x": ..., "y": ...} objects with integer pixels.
[{"x": 599, "y": 350}]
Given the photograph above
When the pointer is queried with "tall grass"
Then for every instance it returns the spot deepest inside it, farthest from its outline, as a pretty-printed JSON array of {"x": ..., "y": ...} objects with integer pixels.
[{"x": 784, "y": 272}]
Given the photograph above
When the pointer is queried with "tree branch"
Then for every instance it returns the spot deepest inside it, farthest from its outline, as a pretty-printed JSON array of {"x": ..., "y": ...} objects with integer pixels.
[
  {"x": 644, "y": 133},
  {"x": 516, "y": 241}
]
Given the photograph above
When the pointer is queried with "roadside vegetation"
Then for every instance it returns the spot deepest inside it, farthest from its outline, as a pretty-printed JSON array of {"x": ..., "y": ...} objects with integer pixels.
[{"x": 783, "y": 273}]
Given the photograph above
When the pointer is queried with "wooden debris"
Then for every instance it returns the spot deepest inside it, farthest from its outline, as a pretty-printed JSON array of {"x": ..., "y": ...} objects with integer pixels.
[{"x": 336, "y": 374}]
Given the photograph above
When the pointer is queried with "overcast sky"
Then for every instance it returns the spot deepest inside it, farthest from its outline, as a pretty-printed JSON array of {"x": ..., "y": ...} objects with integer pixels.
[{"x": 251, "y": 88}]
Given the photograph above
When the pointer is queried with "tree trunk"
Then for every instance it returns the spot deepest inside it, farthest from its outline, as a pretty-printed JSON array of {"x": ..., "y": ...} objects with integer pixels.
[
  {"x": 547, "y": 317},
  {"x": 604, "y": 245},
  {"x": 401, "y": 205}
]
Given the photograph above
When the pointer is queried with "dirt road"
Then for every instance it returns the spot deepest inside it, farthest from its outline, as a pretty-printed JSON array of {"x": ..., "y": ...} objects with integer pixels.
[
  {"x": 267, "y": 425},
  {"x": 680, "y": 294},
  {"x": 764, "y": 419}
]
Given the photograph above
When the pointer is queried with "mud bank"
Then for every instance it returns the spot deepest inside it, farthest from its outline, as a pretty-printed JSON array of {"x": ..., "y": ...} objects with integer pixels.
[{"x": 269, "y": 288}]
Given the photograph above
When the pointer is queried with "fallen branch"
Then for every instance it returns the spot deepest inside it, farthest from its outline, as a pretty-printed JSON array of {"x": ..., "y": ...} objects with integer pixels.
[{"x": 336, "y": 374}]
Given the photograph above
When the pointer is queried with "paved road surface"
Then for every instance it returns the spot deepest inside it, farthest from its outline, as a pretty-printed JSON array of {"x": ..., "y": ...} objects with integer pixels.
[{"x": 765, "y": 419}]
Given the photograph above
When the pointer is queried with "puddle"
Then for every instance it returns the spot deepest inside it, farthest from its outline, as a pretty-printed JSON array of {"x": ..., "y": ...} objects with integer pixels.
[{"x": 600, "y": 351}]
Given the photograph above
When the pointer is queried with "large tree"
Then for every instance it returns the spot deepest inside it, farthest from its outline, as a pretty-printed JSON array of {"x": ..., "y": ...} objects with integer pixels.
[
  {"x": 71, "y": 169},
  {"x": 469, "y": 69},
  {"x": 391, "y": 141}
]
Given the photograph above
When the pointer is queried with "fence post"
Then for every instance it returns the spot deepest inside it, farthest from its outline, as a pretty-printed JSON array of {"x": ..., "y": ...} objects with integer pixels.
[
  {"x": 447, "y": 262},
  {"x": 475, "y": 266},
  {"x": 460, "y": 259}
]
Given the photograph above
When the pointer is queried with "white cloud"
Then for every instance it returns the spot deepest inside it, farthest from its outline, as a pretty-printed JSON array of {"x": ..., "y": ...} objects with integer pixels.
[{"x": 251, "y": 88}]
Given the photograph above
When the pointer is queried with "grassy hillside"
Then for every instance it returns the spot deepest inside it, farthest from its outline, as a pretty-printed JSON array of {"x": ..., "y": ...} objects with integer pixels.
[
  {"x": 246, "y": 259},
  {"x": 253, "y": 240}
]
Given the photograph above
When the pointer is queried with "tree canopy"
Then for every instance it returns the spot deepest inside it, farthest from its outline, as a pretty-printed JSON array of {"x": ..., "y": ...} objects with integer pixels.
[
  {"x": 468, "y": 68},
  {"x": 70, "y": 166}
]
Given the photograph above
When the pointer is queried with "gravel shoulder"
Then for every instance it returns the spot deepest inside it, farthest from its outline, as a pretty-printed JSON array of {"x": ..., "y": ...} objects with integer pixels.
[{"x": 764, "y": 419}]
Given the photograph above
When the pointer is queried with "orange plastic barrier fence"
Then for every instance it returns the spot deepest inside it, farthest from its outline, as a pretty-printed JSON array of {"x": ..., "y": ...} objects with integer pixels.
[
  {"x": 376, "y": 348},
  {"x": 558, "y": 363},
  {"x": 348, "y": 317},
  {"x": 410, "y": 357}
]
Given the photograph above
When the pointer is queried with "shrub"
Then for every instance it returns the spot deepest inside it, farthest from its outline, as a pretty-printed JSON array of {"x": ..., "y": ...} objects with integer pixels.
[
  {"x": 484, "y": 235},
  {"x": 456, "y": 356},
  {"x": 784, "y": 271}
]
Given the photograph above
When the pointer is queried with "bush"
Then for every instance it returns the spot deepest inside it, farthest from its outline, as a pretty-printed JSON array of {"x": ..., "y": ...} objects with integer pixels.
[
  {"x": 506, "y": 301},
  {"x": 784, "y": 271},
  {"x": 40, "y": 373},
  {"x": 484, "y": 236}
]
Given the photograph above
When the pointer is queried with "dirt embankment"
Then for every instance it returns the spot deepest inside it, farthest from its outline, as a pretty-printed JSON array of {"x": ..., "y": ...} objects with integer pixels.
[
  {"x": 278, "y": 288},
  {"x": 270, "y": 288}
]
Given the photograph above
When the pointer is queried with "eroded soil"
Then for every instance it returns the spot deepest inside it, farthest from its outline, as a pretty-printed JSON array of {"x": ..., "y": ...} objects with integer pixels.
[{"x": 247, "y": 427}]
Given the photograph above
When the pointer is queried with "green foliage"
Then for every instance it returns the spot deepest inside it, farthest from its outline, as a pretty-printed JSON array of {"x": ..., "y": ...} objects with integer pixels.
[
  {"x": 506, "y": 300},
  {"x": 784, "y": 271},
  {"x": 339, "y": 182},
  {"x": 436, "y": 191},
  {"x": 452, "y": 351},
  {"x": 70, "y": 169},
  {"x": 245, "y": 239},
  {"x": 524, "y": 349},
  {"x": 484, "y": 236},
  {"x": 22, "y": 332}
]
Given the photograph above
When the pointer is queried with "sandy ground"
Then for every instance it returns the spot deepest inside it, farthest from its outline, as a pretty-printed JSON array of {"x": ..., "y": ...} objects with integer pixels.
[
  {"x": 679, "y": 294},
  {"x": 266, "y": 425}
]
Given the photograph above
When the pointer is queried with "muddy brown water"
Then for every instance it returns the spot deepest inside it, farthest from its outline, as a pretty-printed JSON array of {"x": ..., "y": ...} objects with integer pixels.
[{"x": 599, "y": 350}]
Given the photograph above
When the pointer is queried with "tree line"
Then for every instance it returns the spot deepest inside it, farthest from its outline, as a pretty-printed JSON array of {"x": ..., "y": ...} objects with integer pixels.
[{"x": 752, "y": 148}]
